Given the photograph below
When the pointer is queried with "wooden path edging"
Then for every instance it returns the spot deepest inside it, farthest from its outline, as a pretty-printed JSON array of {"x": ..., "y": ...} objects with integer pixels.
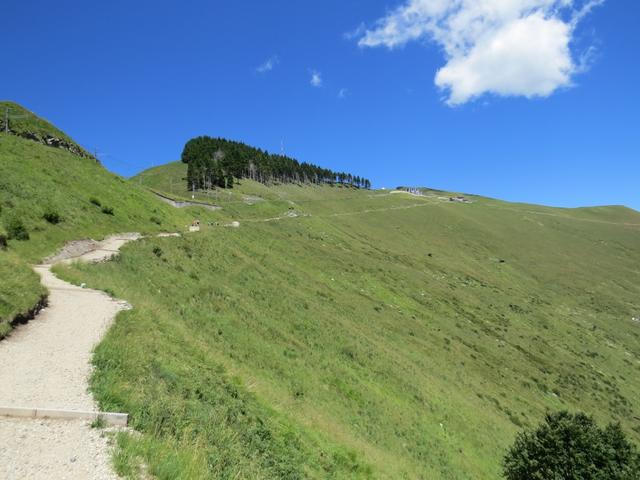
[{"x": 111, "y": 419}]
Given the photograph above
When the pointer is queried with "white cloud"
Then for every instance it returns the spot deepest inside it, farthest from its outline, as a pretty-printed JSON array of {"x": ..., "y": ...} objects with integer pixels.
[
  {"x": 356, "y": 32},
  {"x": 342, "y": 94},
  {"x": 268, "y": 65},
  {"x": 504, "y": 47},
  {"x": 316, "y": 79}
]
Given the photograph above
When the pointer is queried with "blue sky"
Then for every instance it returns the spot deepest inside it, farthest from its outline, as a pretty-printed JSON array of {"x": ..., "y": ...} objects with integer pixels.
[{"x": 540, "y": 106}]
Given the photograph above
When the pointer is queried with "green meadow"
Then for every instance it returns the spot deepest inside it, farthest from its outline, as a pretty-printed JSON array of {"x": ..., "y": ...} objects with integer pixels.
[
  {"x": 54, "y": 197},
  {"x": 337, "y": 333},
  {"x": 366, "y": 335}
]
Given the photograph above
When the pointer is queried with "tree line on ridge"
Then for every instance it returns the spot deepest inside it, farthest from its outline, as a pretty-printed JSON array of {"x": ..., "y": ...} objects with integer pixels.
[{"x": 217, "y": 162}]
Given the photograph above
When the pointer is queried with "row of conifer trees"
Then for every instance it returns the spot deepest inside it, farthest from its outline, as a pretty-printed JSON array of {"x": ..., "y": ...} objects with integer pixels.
[{"x": 217, "y": 162}]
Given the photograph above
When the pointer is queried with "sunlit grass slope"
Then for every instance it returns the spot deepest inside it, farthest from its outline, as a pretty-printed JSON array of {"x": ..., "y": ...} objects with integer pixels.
[
  {"x": 20, "y": 290},
  {"x": 374, "y": 335},
  {"x": 36, "y": 179},
  {"x": 253, "y": 201},
  {"x": 56, "y": 197},
  {"x": 27, "y": 124}
]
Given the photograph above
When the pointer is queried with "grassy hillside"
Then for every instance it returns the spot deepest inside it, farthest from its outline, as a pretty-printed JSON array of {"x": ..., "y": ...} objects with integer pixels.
[
  {"x": 171, "y": 179},
  {"x": 20, "y": 290},
  {"x": 366, "y": 335},
  {"x": 55, "y": 196},
  {"x": 36, "y": 180},
  {"x": 26, "y": 124},
  {"x": 253, "y": 201}
]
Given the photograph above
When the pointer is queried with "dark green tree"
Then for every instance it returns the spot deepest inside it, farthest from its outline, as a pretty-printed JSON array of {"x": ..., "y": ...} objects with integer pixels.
[
  {"x": 572, "y": 447},
  {"x": 216, "y": 162}
]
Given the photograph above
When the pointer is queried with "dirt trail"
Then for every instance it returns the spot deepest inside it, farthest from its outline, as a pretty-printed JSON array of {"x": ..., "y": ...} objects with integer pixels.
[
  {"x": 185, "y": 203},
  {"x": 46, "y": 364}
]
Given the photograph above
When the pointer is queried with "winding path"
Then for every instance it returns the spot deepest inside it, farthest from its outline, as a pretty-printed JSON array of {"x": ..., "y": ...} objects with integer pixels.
[
  {"x": 46, "y": 364},
  {"x": 184, "y": 203}
]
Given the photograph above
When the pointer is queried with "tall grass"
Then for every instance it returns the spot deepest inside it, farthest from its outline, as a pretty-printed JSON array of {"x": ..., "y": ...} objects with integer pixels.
[
  {"x": 20, "y": 290},
  {"x": 47, "y": 197},
  {"x": 376, "y": 338}
]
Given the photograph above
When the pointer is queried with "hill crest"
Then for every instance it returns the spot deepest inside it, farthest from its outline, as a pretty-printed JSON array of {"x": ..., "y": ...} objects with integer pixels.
[{"x": 17, "y": 120}]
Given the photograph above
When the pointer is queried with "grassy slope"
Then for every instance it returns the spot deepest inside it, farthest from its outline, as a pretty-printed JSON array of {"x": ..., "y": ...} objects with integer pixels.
[
  {"x": 22, "y": 121},
  {"x": 20, "y": 290},
  {"x": 35, "y": 179},
  {"x": 382, "y": 335},
  {"x": 265, "y": 202}
]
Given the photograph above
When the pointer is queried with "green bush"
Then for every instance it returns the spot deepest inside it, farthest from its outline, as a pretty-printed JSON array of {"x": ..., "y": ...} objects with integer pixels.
[
  {"x": 3, "y": 241},
  {"x": 52, "y": 217},
  {"x": 107, "y": 210},
  {"x": 572, "y": 447},
  {"x": 16, "y": 229},
  {"x": 155, "y": 220}
]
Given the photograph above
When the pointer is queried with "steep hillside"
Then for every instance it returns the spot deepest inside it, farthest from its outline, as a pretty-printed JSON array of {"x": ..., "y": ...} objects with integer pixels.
[
  {"x": 338, "y": 332},
  {"x": 17, "y": 120},
  {"x": 341, "y": 333},
  {"x": 49, "y": 196},
  {"x": 20, "y": 291}
]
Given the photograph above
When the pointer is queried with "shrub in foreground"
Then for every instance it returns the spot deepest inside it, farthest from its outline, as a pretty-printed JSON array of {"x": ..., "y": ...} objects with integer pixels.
[
  {"x": 572, "y": 447},
  {"x": 52, "y": 217},
  {"x": 16, "y": 230}
]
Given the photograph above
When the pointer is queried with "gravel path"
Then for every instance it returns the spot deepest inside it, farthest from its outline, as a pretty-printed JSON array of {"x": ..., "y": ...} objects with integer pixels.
[
  {"x": 53, "y": 450},
  {"x": 46, "y": 364},
  {"x": 185, "y": 203}
]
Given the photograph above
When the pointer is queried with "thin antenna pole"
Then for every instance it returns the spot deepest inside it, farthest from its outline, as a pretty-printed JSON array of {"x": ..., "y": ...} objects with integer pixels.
[{"x": 7, "y": 117}]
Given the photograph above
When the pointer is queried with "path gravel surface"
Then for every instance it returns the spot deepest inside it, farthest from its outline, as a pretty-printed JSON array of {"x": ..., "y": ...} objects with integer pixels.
[
  {"x": 53, "y": 450},
  {"x": 46, "y": 364}
]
